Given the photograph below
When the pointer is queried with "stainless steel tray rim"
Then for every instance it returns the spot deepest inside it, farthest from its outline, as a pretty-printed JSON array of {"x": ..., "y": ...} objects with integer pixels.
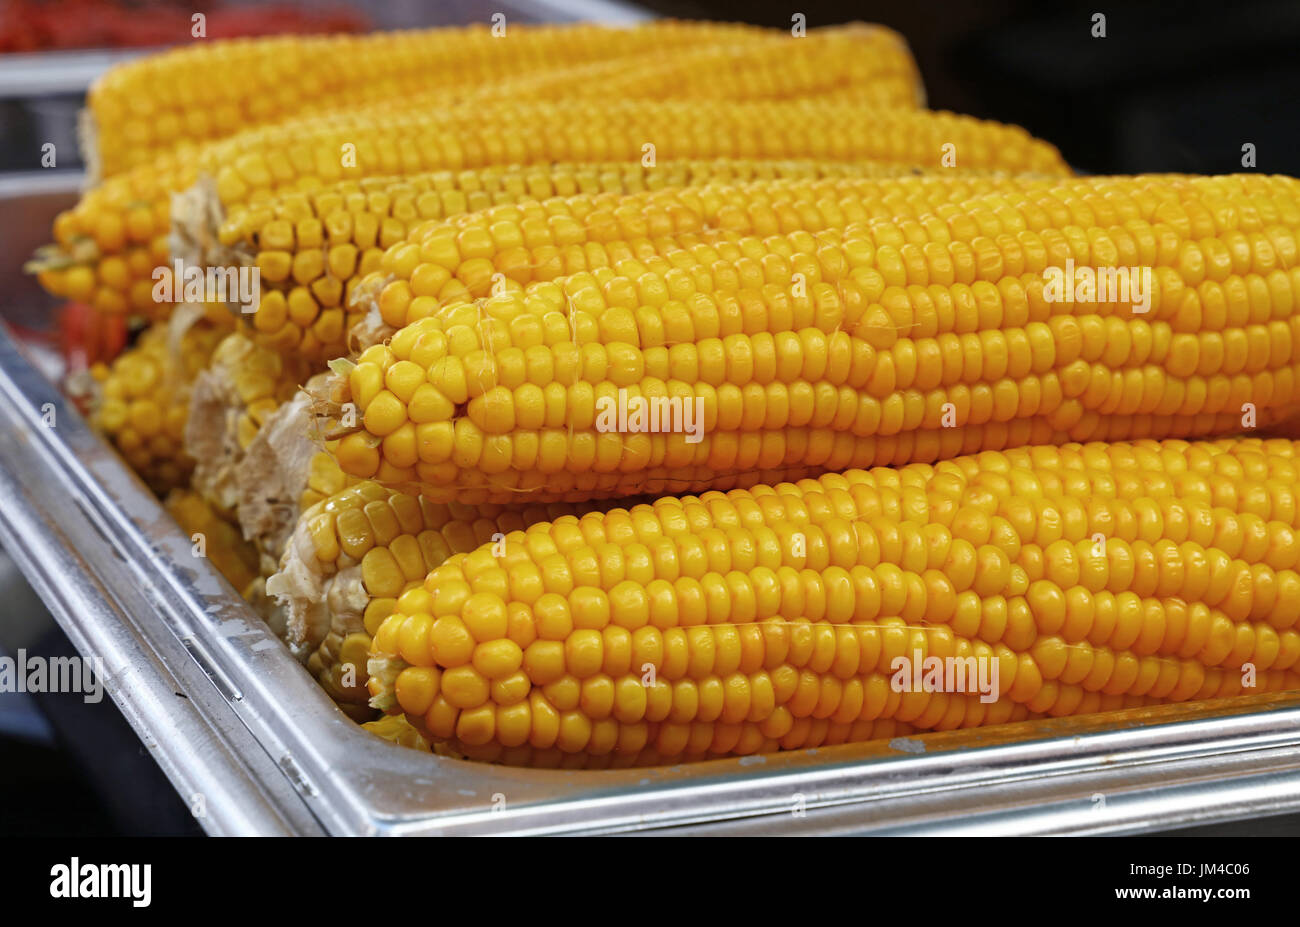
[{"x": 843, "y": 776}]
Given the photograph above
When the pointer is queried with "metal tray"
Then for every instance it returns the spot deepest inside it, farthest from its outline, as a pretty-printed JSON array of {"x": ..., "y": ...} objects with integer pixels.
[{"x": 252, "y": 744}]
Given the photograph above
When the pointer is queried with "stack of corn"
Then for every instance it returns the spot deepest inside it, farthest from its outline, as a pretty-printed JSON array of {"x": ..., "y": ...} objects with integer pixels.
[
  {"x": 770, "y": 616},
  {"x": 632, "y": 397},
  {"x": 230, "y": 112}
]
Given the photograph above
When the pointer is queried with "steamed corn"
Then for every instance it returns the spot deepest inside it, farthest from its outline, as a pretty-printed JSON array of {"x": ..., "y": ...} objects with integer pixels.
[
  {"x": 774, "y": 356},
  {"x": 312, "y": 249},
  {"x": 167, "y": 103},
  {"x": 574, "y": 266},
  {"x": 518, "y": 246},
  {"x": 242, "y": 385},
  {"x": 1083, "y": 577},
  {"x": 107, "y": 246}
]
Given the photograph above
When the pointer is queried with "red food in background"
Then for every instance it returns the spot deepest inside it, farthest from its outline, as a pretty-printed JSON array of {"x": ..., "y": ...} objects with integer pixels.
[
  {"x": 87, "y": 337},
  {"x": 80, "y": 339},
  {"x": 42, "y": 25}
]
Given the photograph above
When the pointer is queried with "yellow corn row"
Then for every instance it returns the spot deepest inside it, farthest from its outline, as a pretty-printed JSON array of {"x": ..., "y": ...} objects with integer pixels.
[
  {"x": 143, "y": 399},
  {"x": 864, "y": 64},
  {"x": 210, "y": 90},
  {"x": 353, "y": 555},
  {"x": 311, "y": 249},
  {"x": 1073, "y": 579},
  {"x": 107, "y": 245},
  {"x": 515, "y": 245},
  {"x": 884, "y": 341}
]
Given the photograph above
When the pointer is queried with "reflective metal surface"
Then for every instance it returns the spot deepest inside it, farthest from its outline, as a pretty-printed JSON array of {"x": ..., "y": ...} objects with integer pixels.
[
  {"x": 56, "y": 72},
  {"x": 245, "y": 735}
]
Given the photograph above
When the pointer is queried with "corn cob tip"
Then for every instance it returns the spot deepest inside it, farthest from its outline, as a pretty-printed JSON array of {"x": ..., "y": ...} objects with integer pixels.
[
  {"x": 274, "y": 472},
  {"x": 396, "y": 729}
]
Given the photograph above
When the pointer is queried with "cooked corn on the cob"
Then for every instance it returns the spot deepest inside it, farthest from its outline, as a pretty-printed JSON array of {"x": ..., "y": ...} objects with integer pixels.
[
  {"x": 311, "y": 249},
  {"x": 511, "y": 246},
  {"x": 883, "y": 341},
  {"x": 506, "y": 284},
  {"x": 1092, "y": 576},
  {"x": 281, "y": 473},
  {"x": 209, "y": 90},
  {"x": 108, "y": 245},
  {"x": 230, "y": 400},
  {"x": 862, "y": 64}
]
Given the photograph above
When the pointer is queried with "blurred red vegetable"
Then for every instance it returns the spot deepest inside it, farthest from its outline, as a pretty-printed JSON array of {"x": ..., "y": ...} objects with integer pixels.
[
  {"x": 42, "y": 25},
  {"x": 87, "y": 337}
]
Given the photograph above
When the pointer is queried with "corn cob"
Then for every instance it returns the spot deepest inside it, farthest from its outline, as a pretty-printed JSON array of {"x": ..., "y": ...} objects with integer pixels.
[
  {"x": 215, "y": 89},
  {"x": 514, "y": 245},
  {"x": 1093, "y": 576},
  {"x": 143, "y": 399},
  {"x": 351, "y": 558},
  {"x": 911, "y": 340},
  {"x": 863, "y": 64},
  {"x": 312, "y": 248},
  {"x": 269, "y": 472},
  {"x": 240, "y": 388},
  {"x": 107, "y": 246},
  {"x": 265, "y": 485},
  {"x": 232, "y": 556}
]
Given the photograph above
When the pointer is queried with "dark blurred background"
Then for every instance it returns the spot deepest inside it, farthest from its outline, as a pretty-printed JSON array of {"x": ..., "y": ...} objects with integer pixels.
[{"x": 1174, "y": 86}]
